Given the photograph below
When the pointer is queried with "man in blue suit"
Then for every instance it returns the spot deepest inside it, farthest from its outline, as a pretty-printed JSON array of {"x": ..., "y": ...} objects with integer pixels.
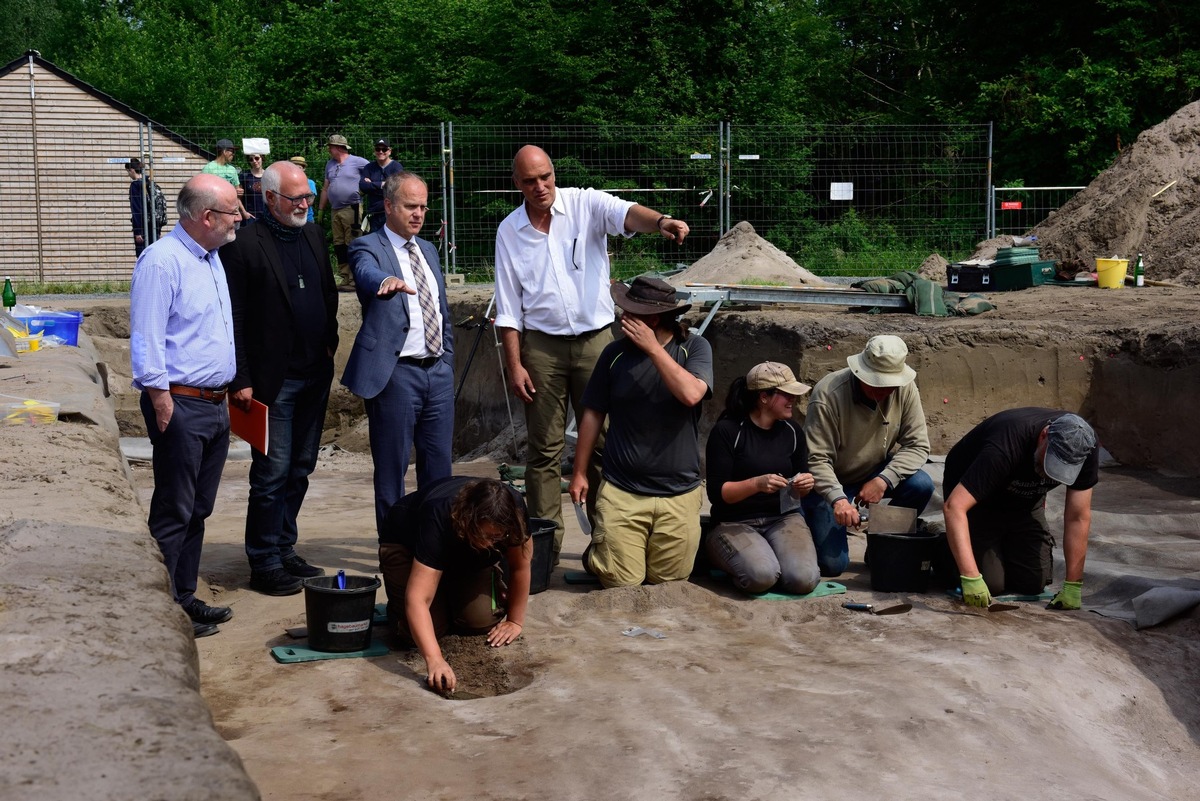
[{"x": 402, "y": 363}]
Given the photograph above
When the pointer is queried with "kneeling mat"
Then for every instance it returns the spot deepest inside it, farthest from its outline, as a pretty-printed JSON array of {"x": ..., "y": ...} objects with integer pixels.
[{"x": 288, "y": 654}]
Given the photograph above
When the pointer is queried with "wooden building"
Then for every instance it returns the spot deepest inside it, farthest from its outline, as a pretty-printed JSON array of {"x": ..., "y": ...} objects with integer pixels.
[{"x": 64, "y": 191}]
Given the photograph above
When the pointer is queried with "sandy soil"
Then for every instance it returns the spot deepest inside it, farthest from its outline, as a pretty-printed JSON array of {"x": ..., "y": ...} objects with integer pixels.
[{"x": 743, "y": 699}]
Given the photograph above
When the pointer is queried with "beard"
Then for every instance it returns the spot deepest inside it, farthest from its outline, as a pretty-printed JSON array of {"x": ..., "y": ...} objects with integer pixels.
[{"x": 295, "y": 218}]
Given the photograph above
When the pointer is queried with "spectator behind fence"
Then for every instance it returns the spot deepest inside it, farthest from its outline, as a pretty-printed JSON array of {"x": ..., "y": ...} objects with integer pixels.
[
  {"x": 146, "y": 204},
  {"x": 340, "y": 192},
  {"x": 222, "y": 166},
  {"x": 302, "y": 163},
  {"x": 251, "y": 181},
  {"x": 554, "y": 311},
  {"x": 371, "y": 183},
  {"x": 182, "y": 358}
]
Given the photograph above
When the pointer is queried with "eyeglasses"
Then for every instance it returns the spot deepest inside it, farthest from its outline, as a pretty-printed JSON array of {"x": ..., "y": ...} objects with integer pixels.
[
  {"x": 307, "y": 197},
  {"x": 382, "y": 149},
  {"x": 256, "y": 158},
  {"x": 237, "y": 213}
]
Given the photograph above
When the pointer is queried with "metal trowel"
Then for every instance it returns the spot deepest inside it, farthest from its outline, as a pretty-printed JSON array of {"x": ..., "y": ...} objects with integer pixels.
[{"x": 898, "y": 609}]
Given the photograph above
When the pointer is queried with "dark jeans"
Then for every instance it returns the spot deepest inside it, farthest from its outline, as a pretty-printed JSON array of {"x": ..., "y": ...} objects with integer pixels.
[
  {"x": 188, "y": 459},
  {"x": 833, "y": 550},
  {"x": 279, "y": 479}
]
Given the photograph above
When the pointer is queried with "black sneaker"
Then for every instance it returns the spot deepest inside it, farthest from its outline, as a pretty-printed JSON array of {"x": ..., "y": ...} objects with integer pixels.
[
  {"x": 203, "y": 629},
  {"x": 275, "y": 582},
  {"x": 201, "y": 612},
  {"x": 296, "y": 565}
]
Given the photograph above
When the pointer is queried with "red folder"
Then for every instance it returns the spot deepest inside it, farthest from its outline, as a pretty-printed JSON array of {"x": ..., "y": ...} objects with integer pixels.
[{"x": 250, "y": 426}]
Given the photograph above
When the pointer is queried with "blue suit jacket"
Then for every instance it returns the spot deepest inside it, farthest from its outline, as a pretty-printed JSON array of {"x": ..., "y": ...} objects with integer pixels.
[{"x": 385, "y": 320}]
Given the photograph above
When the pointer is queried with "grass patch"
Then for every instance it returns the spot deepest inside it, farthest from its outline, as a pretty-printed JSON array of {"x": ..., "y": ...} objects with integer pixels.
[{"x": 70, "y": 288}]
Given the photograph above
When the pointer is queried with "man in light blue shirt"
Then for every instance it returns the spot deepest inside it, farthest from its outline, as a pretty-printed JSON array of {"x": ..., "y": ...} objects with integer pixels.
[{"x": 182, "y": 358}]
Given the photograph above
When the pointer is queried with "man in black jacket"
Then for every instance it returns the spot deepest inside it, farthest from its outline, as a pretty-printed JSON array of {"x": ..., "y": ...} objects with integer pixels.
[{"x": 285, "y": 328}]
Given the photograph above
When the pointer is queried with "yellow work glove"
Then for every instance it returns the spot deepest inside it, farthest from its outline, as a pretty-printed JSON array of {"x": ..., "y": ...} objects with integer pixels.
[
  {"x": 975, "y": 591},
  {"x": 1069, "y": 597}
]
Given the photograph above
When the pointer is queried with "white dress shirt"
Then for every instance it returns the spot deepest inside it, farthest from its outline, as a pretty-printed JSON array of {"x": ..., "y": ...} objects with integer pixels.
[
  {"x": 414, "y": 343},
  {"x": 557, "y": 283}
]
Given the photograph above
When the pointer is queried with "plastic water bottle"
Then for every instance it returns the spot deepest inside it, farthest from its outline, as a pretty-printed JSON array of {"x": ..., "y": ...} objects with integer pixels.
[
  {"x": 1139, "y": 272},
  {"x": 10, "y": 296},
  {"x": 1024, "y": 241}
]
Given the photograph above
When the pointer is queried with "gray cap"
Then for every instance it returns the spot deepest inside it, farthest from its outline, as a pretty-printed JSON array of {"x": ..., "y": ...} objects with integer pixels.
[
  {"x": 1070, "y": 440},
  {"x": 223, "y": 144}
]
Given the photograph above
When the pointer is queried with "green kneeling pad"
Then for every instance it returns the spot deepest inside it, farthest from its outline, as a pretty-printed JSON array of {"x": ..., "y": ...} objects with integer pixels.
[
  {"x": 821, "y": 590},
  {"x": 299, "y": 653}
]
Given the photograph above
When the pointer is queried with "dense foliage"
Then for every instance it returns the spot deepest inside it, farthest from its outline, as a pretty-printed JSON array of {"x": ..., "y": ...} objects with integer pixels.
[{"x": 1067, "y": 84}]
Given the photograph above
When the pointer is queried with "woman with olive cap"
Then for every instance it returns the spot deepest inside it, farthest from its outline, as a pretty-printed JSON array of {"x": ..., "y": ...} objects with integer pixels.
[{"x": 757, "y": 470}]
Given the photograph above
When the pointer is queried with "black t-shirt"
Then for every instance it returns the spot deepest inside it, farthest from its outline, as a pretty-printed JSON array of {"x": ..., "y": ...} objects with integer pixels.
[
  {"x": 252, "y": 197},
  {"x": 653, "y": 442},
  {"x": 421, "y": 522},
  {"x": 995, "y": 461},
  {"x": 738, "y": 449}
]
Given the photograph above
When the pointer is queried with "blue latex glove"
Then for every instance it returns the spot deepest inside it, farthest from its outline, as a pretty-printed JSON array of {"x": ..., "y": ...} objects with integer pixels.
[
  {"x": 1069, "y": 597},
  {"x": 975, "y": 591}
]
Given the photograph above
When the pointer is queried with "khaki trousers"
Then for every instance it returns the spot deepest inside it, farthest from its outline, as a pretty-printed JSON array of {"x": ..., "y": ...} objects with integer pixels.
[
  {"x": 559, "y": 368},
  {"x": 642, "y": 538}
]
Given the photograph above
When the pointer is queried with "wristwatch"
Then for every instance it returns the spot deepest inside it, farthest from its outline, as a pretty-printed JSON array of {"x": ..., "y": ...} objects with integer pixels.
[{"x": 659, "y": 221}]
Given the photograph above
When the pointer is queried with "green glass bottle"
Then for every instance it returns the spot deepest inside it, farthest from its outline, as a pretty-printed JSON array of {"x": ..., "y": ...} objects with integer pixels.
[
  {"x": 1139, "y": 273},
  {"x": 10, "y": 297}
]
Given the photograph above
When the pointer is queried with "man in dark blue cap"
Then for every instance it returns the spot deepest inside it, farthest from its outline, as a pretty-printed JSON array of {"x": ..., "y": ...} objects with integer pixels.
[{"x": 995, "y": 486}]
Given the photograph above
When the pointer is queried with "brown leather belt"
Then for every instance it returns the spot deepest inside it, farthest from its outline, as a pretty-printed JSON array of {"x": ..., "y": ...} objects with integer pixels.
[{"x": 211, "y": 395}]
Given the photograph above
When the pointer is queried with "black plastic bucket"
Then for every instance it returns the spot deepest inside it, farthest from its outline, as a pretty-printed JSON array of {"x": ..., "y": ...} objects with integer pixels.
[
  {"x": 542, "y": 532},
  {"x": 339, "y": 621},
  {"x": 901, "y": 562}
]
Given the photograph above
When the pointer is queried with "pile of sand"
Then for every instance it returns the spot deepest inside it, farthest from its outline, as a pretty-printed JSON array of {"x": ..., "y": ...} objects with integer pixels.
[
  {"x": 1147, "y": 202},
  {"x": 744, "y": 257}
]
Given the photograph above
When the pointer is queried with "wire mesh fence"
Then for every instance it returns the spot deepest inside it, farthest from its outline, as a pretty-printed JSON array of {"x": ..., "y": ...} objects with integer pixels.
[
  {"x": 1017, "y": 210},
  {"x": 858, "y": 200}
]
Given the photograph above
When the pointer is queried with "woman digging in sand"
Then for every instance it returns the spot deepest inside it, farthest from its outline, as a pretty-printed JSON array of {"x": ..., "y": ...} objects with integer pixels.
[{"x": 439, "y": 552}]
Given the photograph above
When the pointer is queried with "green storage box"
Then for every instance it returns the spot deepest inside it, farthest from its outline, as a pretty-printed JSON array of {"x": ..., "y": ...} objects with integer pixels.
[{"x": 997, "y": 277}]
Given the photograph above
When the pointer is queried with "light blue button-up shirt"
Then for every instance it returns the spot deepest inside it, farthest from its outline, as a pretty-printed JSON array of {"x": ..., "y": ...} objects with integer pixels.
[{"x": 180, "y": 324}]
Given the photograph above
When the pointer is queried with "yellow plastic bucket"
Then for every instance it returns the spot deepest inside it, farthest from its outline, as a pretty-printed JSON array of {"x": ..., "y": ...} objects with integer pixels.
[{"x": 1110, "y": 273}]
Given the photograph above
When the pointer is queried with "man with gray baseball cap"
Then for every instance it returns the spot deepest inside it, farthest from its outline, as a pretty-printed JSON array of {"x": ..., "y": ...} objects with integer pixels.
[{"x": 996, "y": 481}]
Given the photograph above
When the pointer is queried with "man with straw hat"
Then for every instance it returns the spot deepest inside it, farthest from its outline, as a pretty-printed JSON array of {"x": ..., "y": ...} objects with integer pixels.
[{"x": 867, "y": 441}]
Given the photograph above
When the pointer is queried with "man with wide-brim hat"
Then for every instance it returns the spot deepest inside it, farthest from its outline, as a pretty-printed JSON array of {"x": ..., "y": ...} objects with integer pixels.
[
  {"x": 867, "y": 441},
  {"x": 649, "y": 386}
]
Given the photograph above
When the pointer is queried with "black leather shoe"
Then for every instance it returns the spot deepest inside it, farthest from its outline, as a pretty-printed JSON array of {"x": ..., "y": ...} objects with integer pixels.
[
  {"x": 296, "y": 566},
  {"x": 203, "y": 629},
  {"x": 201, "y": 612},
  {"x": 275, "y": 582}
]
